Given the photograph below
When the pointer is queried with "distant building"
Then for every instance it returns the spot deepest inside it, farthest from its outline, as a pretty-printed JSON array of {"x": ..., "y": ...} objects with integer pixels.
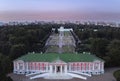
[{"x": 63, "y": 29}]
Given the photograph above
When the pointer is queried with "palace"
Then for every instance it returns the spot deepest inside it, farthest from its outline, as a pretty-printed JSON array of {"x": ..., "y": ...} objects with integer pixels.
[
  {"x": 59, "y": 64},
  {"x": 63, "y": 65}
]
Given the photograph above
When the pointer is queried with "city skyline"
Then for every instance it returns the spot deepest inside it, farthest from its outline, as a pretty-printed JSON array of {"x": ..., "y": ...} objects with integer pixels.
[{"x": 30, "y": 10}]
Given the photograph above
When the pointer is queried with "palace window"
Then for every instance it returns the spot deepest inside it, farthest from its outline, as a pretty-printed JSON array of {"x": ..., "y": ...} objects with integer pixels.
[
  {"x": 91, "y": 66},
  {"x": 87, "y": 66},
  {"x": 20, "y": 66},
  {"x": 82, "y": 66},
  {"x": 96, "y": 66}
]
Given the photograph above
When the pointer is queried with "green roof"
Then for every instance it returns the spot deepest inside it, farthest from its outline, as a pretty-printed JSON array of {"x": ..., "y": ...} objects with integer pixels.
[{"x": 66, "y": 57}]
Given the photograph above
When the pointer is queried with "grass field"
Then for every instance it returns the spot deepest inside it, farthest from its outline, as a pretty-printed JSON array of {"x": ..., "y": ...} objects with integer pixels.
[
  {"x": 68, "y": 49},
  {"x": 53, "y": 49},
  {"x": 117, "y": 75},
  {"x": 67, "y": 34}
]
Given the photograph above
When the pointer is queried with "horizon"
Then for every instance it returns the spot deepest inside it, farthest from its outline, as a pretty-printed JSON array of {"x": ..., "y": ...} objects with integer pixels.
[{"x": 62, "y": 10}]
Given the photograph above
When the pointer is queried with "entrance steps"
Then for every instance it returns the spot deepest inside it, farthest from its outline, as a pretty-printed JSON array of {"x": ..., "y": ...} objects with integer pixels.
[
  {"x": 39, "y": 76},
  {"x": 58, "y": 76},
  {"x": 80, "y": 73},
  {"x": 77, "y": 76}
]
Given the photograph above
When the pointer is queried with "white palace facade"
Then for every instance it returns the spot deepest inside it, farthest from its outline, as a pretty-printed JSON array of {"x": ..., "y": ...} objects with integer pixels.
[{"x": 64, "y": 64}]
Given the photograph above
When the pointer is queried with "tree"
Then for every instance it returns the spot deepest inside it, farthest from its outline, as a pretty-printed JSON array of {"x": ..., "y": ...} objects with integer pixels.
[
  {"x": 5, "y": 68},
  {"x": 98, "y": 46},
  {"x": 56, "y": 30},
  {"x": 114, "y": 52},
  {"x": 17, "y": 51},
  {"x": 9, "y": 79}
]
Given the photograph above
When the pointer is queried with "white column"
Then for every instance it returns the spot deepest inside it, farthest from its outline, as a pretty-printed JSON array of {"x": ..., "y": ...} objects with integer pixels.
[
  {"x": 55, "y": 69},
  {"x": 51, "y": 69},
  {"x": 93, "y": 66},
  {"x": 26, "y": 66},
  {"x": 99, "y": 66},
  {"x": 61, "y": 69},
  {"x": 102, "y": 66},
  {"x": 47, "y": 68},
  {"x": 69, "y": 67},
  {"x": 23, "y": 66},
  {"x": 65, "y": 68}
]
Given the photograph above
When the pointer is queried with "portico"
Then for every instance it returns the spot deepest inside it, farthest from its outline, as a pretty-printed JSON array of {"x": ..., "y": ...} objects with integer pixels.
[{"x": 58, "y": 67}]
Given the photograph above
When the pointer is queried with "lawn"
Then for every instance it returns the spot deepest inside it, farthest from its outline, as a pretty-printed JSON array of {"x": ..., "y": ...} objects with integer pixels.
[
  {"x": 53, "y": 49},
  {"x": 117, "y": 75}
]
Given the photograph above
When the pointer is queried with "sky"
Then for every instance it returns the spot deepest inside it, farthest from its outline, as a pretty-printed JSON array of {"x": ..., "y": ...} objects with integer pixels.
[{"x": 30, "y": 10}]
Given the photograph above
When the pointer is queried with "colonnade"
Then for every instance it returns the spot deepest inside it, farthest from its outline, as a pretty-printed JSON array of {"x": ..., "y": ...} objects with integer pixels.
[{"x": 58, "y": 69}]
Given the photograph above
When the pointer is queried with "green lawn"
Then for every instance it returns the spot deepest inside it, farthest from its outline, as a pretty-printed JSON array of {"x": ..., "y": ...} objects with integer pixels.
[
  {"x": 66, "y": 33},
  {"x": 117, "y": 75},
  {"x": 53, "y": 49},
  {"x": 68, "y": 49}
]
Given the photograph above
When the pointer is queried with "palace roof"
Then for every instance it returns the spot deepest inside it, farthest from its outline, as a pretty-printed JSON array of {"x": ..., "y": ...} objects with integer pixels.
[{"x": 66, "y": 57}]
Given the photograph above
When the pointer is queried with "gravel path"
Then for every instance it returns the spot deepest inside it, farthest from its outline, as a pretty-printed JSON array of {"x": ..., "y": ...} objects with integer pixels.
[{"x": 107, "y": 76}]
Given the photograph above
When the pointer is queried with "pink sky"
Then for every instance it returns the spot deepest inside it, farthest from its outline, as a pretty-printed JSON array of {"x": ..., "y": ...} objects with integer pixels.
[
  {"x": 30, "y": 10},
  {"x": 25, "y": 16}
]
